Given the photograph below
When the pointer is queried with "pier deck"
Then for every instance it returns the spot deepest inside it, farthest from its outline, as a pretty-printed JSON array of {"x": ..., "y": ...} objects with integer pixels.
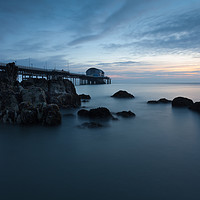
[{"x": 25, "y": 72}]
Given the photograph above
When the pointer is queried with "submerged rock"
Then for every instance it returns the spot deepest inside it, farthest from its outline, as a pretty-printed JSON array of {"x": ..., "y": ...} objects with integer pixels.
[
  {"x": 122, "y": 94},
  {"x": 152, "y": 102},
  {"x": 182, "y": 102},
  {"x": 90, "y": 125},
  {"x": 126, "y": 114},
  {"x": 162, "y": 100}
]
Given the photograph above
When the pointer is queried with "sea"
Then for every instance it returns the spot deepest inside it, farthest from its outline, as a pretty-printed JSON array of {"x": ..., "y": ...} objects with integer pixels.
[{"x": 153, "y": 156}]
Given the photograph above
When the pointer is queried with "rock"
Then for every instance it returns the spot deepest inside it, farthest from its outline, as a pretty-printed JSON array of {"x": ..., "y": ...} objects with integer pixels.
[
  {"x": 9, "y": 116},
  {"x": 101, "y": 113},
  {"x": 126, "y": 114},
  {"x": 30, "y": 102},
  {"x": 83, "y": 113},
  {"x": 122, "y": 94},
  {"x": 90, "y": 125},
  {"x": 163, "y": 100},
  {"x": 8, "y": 100},
  {"x": 68, "y": 100},
  {"x": 195, "y": 107},
  {"x": 182, "y": 102},
  {"x": 84, "y": 96},
  {"x": 36, "y": 82},
  {"x": 11, "y": 73},
  {"x": 152, "y": 102},
  {"x": 57, "y": 91},
  {"x": 85, "y": 101},
  {"x": 33, "y": 95},
  {"x": 51, "y": 115},
  {"x": 28, "y": 114}
]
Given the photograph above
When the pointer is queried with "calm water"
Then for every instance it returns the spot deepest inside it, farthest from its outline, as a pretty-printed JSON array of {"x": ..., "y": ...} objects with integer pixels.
[{"x": 155, "y": 155}]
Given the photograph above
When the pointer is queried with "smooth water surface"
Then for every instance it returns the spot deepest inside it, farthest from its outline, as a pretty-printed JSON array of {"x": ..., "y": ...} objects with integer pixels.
[{"x": 155, "y": 155}]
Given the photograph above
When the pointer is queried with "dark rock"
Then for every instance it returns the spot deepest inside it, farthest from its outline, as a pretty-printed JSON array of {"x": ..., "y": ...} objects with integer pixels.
[
  {"x": 83, "y": 113},
  {"x": 84, "y": 96},
  {"x": 10, "y": 74},
  {"x": 68, "y": 100},
  {"x": 8, "y": 100},
  {"x": 163, "y": 100},
  {"x": 57, "y": 91},
  {"x": 51, "y": 115},
  {"x": 34, "y": 95},
  {"x": 28, "y": 114},
  {"x": 90, "y": 125},
  {"x": 126, "y": 114},
  {"x": 101, "y": 112},
  {"x": 152, "y": 102},
  {"x": 182, "y": 102},
  {"x": 122, "y": 94},
  {"x": 85, "y": 101},
  {"x": 195, "y": 107}
]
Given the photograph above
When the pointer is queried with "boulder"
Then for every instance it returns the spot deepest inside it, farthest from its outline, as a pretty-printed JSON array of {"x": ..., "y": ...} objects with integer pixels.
[
  {"x": 84, "y": 96},
  {"x": 182, "y": 102},
  {"x": 126, "y": 114},
  {"x": 83, "y": 113},
  {"x": 195, "y": 107},
  {"x": 122, "y": 94},
  {"x": 97, "y": 113}
]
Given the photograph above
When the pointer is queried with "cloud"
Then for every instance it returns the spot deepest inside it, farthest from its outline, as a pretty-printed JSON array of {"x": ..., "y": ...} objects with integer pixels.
[{"x": 175, "y": 34}]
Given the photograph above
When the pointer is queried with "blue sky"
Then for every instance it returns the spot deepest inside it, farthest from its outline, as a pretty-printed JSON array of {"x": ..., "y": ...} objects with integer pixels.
[{"x": 131, "y": 40}]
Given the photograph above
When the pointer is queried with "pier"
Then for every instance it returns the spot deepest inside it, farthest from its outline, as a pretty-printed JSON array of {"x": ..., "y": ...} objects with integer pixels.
[{"x": 25, "y": 73}]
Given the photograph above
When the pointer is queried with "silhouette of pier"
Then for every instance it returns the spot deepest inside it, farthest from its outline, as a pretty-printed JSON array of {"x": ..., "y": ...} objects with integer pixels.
[{"x": 25, "y": 73}]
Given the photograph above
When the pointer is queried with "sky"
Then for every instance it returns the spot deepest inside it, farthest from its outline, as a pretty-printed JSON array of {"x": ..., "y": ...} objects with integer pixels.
[{"x": 131, "y": 40}]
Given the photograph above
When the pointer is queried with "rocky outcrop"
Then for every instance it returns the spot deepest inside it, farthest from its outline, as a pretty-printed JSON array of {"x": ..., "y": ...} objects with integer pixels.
[
  {"x": 162, "y": 100},
  {"x": 182, "y": 102},
  {"x": 97, "y": 113},
  {"x": 33, "y": 95},
  {"x": 126, "y": 114},
  {"x": 122, "y": 94},
  {"x": 60, "y": 92},
  {"x": 34, "y": 101}
]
